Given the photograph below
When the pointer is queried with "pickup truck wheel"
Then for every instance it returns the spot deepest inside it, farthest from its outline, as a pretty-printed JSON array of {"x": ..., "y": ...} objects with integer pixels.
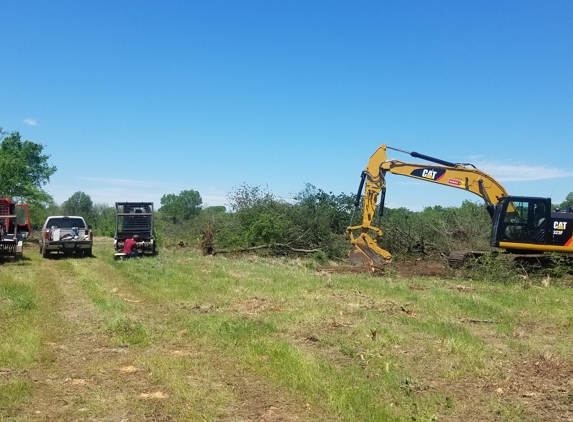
[
  {"x": 88, "y": 252},
  {"x": 45, "y": 253}
]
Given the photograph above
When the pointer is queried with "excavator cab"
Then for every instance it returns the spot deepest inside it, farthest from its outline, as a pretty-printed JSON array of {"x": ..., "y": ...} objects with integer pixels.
[{"x": 522, "y": 223}]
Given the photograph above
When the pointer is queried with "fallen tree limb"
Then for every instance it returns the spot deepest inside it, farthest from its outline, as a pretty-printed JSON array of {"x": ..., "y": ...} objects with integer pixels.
[
  {"x": 475, "y": 321},
  {"x": 269, "y": 246},
  {"x": 132, "y": 301}
]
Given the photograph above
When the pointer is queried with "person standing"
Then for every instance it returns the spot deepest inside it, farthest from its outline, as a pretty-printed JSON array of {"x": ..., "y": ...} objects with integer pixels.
[{"x": 130, "y": 246}]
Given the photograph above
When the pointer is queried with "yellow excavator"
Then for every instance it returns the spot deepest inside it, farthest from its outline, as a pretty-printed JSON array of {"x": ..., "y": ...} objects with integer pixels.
[{"x": 522, "y": 225}]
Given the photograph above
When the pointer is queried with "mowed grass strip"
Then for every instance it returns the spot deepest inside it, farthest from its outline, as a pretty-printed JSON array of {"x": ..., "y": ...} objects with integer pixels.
[
  {"x": 20, "y": 333},
  {"x": 252, "y": 338},
  {"x": 315, "y": 334},
  {"x": 181, "y": 381}
]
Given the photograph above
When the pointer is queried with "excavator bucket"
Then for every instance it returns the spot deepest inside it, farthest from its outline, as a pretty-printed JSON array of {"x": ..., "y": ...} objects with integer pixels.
[{"x": 362, "y": 255}]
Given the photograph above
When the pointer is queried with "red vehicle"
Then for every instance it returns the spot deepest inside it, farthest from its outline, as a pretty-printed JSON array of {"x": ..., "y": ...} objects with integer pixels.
[{"x": 14, "y": 228}]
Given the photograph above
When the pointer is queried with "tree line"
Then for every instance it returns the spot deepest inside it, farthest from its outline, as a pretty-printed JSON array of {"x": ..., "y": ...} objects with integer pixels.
[{"x": 311, "y": 222}]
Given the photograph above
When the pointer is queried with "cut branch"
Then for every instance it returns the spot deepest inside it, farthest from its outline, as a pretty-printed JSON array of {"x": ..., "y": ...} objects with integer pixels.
[{"x": 271, "y": 245}]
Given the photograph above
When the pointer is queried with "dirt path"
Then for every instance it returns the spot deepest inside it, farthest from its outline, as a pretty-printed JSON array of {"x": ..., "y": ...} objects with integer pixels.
[
  {"x": 80, "y": 376},
  {"x": 85, "y": 376}
]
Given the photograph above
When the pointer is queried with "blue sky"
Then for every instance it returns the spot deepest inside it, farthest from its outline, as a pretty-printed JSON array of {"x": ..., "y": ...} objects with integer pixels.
[{"x": 137, "y": 99}]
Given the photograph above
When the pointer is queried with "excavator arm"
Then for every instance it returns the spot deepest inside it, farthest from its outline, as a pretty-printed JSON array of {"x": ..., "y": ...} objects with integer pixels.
[{"x": 365, "y": 249}]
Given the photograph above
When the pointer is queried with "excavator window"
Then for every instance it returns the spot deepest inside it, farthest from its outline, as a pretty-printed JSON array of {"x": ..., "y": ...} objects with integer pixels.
[
  {"x": 515, "y": 221},
  {"x": 525, "y": 221}
]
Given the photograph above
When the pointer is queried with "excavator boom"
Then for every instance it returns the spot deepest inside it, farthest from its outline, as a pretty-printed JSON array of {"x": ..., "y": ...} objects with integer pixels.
[{"x": 363, "y": 237}]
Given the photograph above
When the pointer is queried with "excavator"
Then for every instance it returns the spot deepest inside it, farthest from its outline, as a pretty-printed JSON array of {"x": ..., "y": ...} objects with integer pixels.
[{"x": 521, "y": 225}]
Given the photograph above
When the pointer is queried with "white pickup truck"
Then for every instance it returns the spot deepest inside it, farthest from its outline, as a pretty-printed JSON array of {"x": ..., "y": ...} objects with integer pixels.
[{"x": 67, "y": 234}]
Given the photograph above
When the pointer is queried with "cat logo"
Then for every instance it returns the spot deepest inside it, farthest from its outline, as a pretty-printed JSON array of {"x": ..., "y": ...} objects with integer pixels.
[
  {"x": 429, "y": 174},
  {"x": 560, "y": 225}
]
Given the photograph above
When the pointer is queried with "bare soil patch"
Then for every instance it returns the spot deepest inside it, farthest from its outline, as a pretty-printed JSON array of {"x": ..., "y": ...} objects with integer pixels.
[{"x": 404, "y": 269}]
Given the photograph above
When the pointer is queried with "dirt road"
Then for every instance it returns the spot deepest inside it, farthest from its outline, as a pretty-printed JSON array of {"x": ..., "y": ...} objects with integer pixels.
[{"x": 83, "y": 373}]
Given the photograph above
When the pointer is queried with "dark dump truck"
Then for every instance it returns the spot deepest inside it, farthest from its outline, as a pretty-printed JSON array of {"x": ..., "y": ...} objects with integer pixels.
[{"x": 134, "y": 218}]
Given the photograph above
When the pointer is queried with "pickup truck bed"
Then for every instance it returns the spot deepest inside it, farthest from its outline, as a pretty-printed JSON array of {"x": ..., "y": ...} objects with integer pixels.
[{"x": 66, "y": 234}]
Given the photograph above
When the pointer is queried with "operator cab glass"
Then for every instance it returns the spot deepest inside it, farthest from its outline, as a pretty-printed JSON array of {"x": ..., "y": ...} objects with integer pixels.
[{"x": 521, "y": 220}]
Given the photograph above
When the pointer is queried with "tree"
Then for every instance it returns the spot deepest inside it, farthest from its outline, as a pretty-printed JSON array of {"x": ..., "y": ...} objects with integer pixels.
[
  {"x": 181, "y": 207},
  {"x": 245, "y": 197},
  {"x": 326, "y": 209},
  {"x": 103, "y": 220},
  {"x": 24, "y": 170},
  {"x": 216, "y": 209},
  {"x": 39, "y": 211},
  {"x": 568, "y": 201},
  {"x": 78, "y": 204}
]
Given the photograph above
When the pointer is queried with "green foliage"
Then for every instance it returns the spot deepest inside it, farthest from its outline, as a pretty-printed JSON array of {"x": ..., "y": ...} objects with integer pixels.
[
  {"x": 560, "y": 266},
  {"x": 320, "y": 220},
  {"x": 323, "y": 213},
  {"x": 227, "y": 230},
  {"x": 216, "y": 210},
  {"x": 568, "y": 201},
  {"x": 320, "y": 258},
  {"x": 126, "y": 331},
  {"x": 103, "y": 220},
  {"x": 182, "y": 207},
  {"x": 494, "y": 268},
  {"x": 245, "y": 197},
  {"x": 191, "y": 232},
  {"x": 39, "y": 211},
  {"x": 80, "y": 204},
  {"x": 24, "y": 170},
  {"x": 436, "y": 229},
  {"x": 261, "y": 218},
  {"x": 314, "y": 221}
]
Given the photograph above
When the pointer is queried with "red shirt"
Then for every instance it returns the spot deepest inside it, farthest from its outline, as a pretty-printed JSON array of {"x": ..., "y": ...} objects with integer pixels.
[{"x": 129, "y": 246}]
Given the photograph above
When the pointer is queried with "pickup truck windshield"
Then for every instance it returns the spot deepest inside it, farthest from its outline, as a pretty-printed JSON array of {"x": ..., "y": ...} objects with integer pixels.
[{"x": 66, "y": 223}]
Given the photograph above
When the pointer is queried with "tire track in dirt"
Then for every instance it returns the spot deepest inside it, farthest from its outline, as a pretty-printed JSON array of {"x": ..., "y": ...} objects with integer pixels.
[
  {"x": 78, "y": 377},
  {"x": 246, "y": 397}
]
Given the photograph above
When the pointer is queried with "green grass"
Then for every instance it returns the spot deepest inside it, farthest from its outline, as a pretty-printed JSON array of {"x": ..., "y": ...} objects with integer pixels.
[{"x": 218, "y": 335}]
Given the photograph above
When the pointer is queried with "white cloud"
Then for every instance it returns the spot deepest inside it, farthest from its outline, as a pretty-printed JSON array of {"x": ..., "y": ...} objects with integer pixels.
[
  {"x": 108, "y": 190},
  {"x": 30, "y": 122},
  {"x": 508, "y": 172},
  {"x": 131, "y": 183}
]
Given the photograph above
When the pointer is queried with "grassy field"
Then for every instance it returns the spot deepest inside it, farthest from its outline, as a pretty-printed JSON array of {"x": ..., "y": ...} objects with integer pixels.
[{"x": 183, "y": 337}]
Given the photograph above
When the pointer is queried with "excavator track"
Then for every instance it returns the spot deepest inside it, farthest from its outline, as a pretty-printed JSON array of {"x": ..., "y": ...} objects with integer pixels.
[
  {"x": 456, "y": 259},
  {"x": 460, "y": 259}
]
